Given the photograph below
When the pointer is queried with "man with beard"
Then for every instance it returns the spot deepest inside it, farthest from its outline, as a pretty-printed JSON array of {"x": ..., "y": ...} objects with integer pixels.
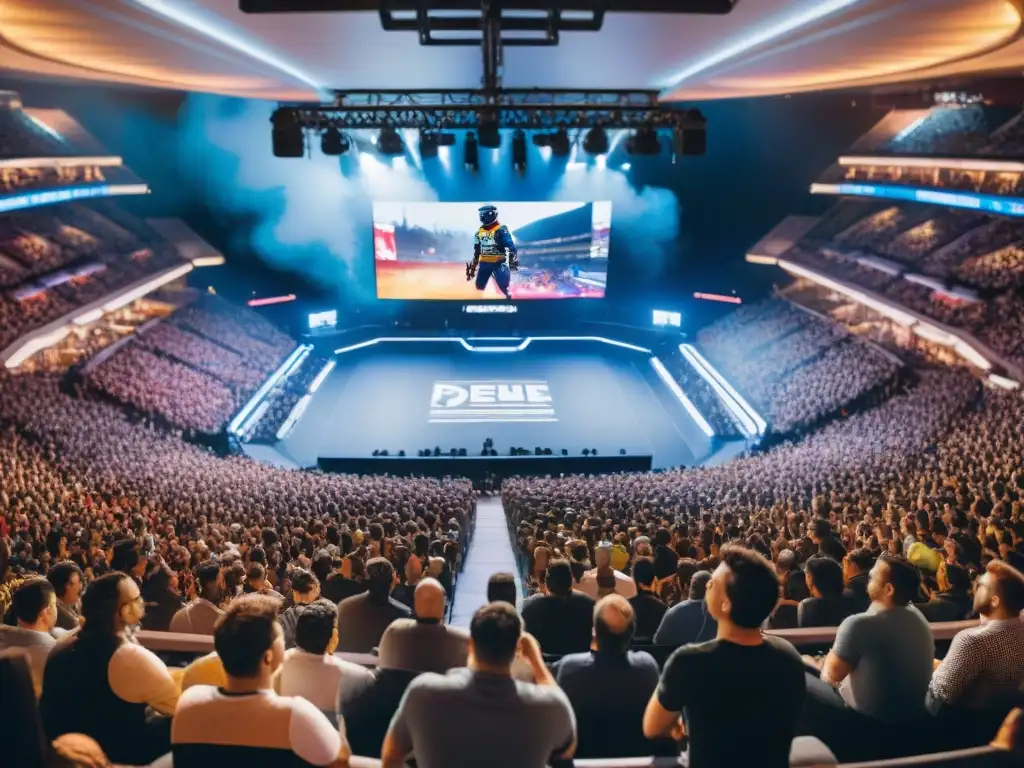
[{"x": 985, "y": 664}]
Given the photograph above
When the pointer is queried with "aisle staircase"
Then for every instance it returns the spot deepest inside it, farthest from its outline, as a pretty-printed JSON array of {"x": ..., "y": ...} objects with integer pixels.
[{"x": 490, "y": 551}]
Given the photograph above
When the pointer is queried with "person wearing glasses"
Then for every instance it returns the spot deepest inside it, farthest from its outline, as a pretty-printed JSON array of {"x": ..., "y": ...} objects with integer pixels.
[{"x": 102, "y": 683}]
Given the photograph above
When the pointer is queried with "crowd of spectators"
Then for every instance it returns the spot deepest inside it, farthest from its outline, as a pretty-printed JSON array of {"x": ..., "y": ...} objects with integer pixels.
[
  {"x": 159, "y": 386},
  {"x": 248, "y": 333},
  {"x": 950, "y": 131},
  {"x": 99, "y": 256},
  {"x": 795, "y": 367}
]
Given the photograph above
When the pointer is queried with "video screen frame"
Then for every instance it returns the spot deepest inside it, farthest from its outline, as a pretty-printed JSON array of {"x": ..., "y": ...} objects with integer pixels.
[{"x": 422, "y": 250}]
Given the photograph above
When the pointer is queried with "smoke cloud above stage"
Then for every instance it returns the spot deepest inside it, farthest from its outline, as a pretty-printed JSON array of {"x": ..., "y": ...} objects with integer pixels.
[{"x": 314, "y": 216}]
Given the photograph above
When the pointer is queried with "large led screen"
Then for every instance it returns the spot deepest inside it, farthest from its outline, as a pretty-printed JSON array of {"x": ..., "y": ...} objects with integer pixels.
[{"x": 422, "y": 250}]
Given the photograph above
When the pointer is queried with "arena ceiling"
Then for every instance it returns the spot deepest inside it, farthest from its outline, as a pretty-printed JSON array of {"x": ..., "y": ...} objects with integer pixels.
[{"x": 763, "y": 47}]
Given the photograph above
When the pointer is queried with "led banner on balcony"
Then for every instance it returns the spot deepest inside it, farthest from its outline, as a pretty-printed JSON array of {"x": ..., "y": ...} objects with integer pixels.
[
  {"x": 1003, "y": 206},
  {"x": 17, "y": 202}
]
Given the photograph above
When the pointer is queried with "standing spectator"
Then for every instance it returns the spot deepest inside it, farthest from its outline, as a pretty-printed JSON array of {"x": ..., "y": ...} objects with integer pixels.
[
  {"x": 66, "y": 578},
  {"x": 856, "y": 574},
  {"x": 985, "y": 664},
  {"x": 610, "y": 725},
  {"x": 826, "y": 606},
  {"x": 479, "y": 713},
  {"x": 647, "y": 606},
  {"x": 561, "y": 620},
  {"x": 310, "y": 669},
  {"x": 501, "y": 588},
  {"x": 100, "y": 682},
  {"x": 880, "y": 663},
  {"x": 363, "y": 618},
  {"x": 246, "y": 722},
  {"x": 689, "y": 621},
  {"x": 715, "y": 692},
  {"x": 424, "y": 644},
  {"x": 200, "y": 616},
  {"x": 34, "y": 605}
]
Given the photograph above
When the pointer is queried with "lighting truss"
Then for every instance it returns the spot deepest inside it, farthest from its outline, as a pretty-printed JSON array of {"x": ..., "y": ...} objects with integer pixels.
[{"x": 509, "y": 108}]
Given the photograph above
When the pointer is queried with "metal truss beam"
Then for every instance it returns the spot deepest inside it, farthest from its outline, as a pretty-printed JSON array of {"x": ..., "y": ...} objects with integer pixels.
[
  {"x": 407, "y": 6},
  {"x": 526, "y": 109}
]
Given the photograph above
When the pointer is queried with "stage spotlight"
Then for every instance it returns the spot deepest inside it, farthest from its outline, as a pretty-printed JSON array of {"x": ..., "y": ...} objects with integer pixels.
[
  {"x": 519, "y": 151},
  {"x": 453, "y": 452},
  {"x": 334, "y": 142},
  {"x": 437, "y": 451},
  {"x": 472, "y": 152},
  {"x": 376, "y": 452},
  {"x": 596, "y": 141},
  {"x": 644, "y": 141},
  {"x": 428, "y": 145},
  {"x": 488, "y": 134},
  {"x": 560, "y": 145},
  {"x": 389, "y": 142},
  {"x": 384, "y": 452},
  {"x": 622, "y": 451},
  {"x": 586, "y": 451},
  {"x": 565, "y": 451},
  {"x": 593, "y": 451},
  {"x": 287, "y": 136}
]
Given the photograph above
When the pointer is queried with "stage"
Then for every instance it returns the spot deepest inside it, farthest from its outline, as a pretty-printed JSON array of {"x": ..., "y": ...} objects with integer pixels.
[{"x": 410, "y": 397}]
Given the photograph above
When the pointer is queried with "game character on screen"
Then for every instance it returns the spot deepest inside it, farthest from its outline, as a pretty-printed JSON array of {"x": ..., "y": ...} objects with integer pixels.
[{"x": 494, "y": 253}]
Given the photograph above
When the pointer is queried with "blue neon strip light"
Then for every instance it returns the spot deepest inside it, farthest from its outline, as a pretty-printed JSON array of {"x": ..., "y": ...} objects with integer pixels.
[
  {"x": 17, "y": 202},
  {"x": 236, "y": 423},
  {"x": 762, "y": 425},
  {"x": 691, "y": 409},
  {"x": 975, "y": 201},
  {"x": 522, "y": 345}
]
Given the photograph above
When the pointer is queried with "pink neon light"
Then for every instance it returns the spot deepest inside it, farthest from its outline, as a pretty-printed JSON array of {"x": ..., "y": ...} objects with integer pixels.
[
  {"x": 271, "y": 300},
  {"x": 718, "y": 297}
]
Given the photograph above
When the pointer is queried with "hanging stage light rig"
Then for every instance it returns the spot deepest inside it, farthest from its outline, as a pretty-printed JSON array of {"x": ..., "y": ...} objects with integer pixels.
[{"x": 494, "y": 25}]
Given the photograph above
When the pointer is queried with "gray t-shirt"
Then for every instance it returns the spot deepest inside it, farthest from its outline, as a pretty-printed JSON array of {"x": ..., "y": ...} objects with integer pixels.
[
  {"x": 891, "y": 652},
  {"x": 475, "y": 718}
]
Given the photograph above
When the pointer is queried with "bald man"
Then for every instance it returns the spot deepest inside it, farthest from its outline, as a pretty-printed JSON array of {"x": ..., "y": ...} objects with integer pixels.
[
  {"x": 609, "y": 685},
  {"x": 424, "y": 644}
]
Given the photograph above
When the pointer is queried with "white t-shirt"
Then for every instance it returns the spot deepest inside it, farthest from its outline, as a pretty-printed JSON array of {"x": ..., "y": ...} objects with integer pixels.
[{"x": 317, "y": 678}]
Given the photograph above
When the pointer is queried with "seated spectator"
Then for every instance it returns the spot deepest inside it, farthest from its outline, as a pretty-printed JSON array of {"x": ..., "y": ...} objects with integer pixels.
[
  {"x": 985, "y": 664},
  {"x": 501, "y": 588},
  {"x": 880, "y": 663},
  {"x": 200, "y": 616},
  {"x": 310, "y": 669},
  {"x": 163, "y": 600},
  {"x": 246, "y": 722},
  {"x": 100, "y": 682},
  {"x": 794, "y": 592},
  {"x": 404, "y": 592},
  {"x": 689, "y": 621},
  {"x": 609, "y": 685},
  {"x": 24, "y": 742},
  {"x": 737, "y": 698},
  {"x": 603, "y": 579},
  {"x": 67, "y": 581},
  {"x": 455, "y": 719},
  {"x": 856, "y": 574},
  {"x": 561, "y": 620},
  {"x": 953, "y": 601},
  {"x": 127, "y": 557},
  {"x": 647, "y": 606},
  {"x": 825, "y": 607},
  {"x": 34, "y": 605},
  {"x": 346, "y": 581},
  {"x": 305, "y": 591},
  {"x": 363, "y": 618},
  {"x": 425, "y": 643}
]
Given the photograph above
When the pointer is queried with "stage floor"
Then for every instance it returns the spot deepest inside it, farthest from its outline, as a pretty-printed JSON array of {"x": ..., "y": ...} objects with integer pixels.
[{"x": 382, "y": 398}]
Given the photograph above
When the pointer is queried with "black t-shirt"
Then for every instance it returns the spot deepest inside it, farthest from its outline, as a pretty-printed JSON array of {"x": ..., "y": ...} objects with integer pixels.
[
  {"x": 560, "y": 624},
  {"x": 741, "y": 703}
]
